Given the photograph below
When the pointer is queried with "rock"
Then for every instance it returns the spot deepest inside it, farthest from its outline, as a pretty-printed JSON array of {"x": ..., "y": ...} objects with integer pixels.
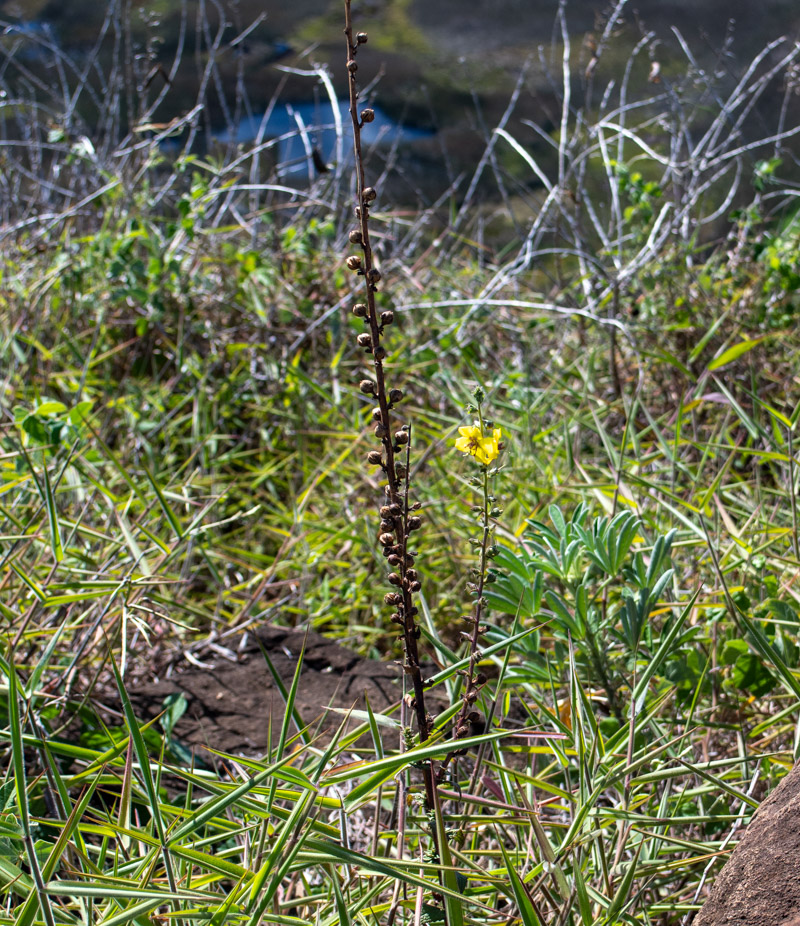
[{"x": 760, "y": 883}]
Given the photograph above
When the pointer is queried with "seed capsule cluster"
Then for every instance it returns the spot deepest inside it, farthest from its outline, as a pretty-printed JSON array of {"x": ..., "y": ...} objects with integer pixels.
[{"x": 398, "y": 518}]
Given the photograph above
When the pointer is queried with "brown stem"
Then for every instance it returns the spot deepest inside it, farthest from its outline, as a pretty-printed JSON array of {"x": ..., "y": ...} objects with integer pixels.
[{"x": 401, "y": 528}]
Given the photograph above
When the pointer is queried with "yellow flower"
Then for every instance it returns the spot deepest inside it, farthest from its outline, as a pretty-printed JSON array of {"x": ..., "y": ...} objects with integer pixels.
[{"x": 484, "y": 447}]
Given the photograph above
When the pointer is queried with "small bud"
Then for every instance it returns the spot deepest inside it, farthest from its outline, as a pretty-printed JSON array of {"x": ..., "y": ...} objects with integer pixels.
[
  {"x": 416, "y": 506},
  {"x": 380, "y": 430},
  {"x": 380, "y": 353},
  {"x": 411, "y": 574},
  {"x": 396, "y": 510},
  {"x": 374, "y": 276},
  {"x": 401, "y": 436},
  {"x": 385, "y": 525},
  {"x": 367, "y": 387},
  {"x": 362, "y": 38},
  {"x": 414, "y": 524},
  {"x": 356, "y": 237},
  {"x": 354, "y": 262},
  {"x": 352, "y": 66},
  {"x": 396, "y": 618},
  {"x": 415, "y": 586},
  {"x": 400, "y": 470},
  {"x": 369, "y": 195},
  {"x": 374, "y": 458},
  {"x": 367, "y": 115},
  {"x": 386, "y": 539},
  {"x": 386, "y": 512},
  {"x": 395, "y": 395},
  {"x": 377, "y": 415},
  {"x": 387, "y": 317},
  {"x": 364, "y": 340},
  {"x": 360, "y": 310},
  {"x": 393, "y": 598},
  {"x": 393, "y": 560},
  {"x": 394, "y": 579},
  {"x": 480, "y": 678}
]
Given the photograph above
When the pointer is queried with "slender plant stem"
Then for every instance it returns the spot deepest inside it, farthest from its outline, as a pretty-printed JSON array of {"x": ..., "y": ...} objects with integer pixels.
[{"x": 396, "y": 487}]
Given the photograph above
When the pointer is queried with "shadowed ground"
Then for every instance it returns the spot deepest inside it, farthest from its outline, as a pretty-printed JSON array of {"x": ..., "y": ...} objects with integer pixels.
[{"x": 229, "y": 706}]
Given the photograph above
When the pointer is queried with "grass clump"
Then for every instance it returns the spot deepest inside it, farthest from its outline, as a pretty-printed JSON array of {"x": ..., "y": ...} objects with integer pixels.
[{"x": 189, "y": 397}]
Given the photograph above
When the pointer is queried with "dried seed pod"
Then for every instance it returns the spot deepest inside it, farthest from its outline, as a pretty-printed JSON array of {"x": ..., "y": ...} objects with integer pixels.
[
  {"x": 360, "y": 310},
  {"x": 377, "y": 414},
  {"x": 480, "y": 679},
  {"x": 369, "y": 195},
  {"x": 367, "y": 115},
  {"x": 394, "y": 579},
  {"x": 396, "y": 510},
  {"x": 367, "y": 387},
  {"x": 416, "y": 506},
  {"x": 386, "y": 511},
  {"x": 356, "y": 237},
  {"x": 396, "y": 618},
  {"x": 387, "y": 317},
  {"x": 414, "y": 524},
  {"x": 354, "y": 262},
  {"x": 411, "y": 575},
  {"x": 374, "y": 458},
  {"x": 352, "y": 66},
  {"x": 380, "y": 430},
  {"x": 393, "y": 560},
  {"x": 415, "y": 587},
  {"x": 386, "y": 539},
  {"x": 395, "y": 395},
  {"x": 393, "y": 598},
  {"x": 385, "y": 525},
  {"x": 401, "y": 436},
  {"x": 374, "y": 276},
  {"x": 380, "y": 353},
  {"x": 400, "y": 470},
  {"x": 361, "y": 38},
  {"x": 364, "y": 340}
]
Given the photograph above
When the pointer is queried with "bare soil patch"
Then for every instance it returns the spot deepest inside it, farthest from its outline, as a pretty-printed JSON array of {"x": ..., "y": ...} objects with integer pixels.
[{"x": 230, "y": 704}]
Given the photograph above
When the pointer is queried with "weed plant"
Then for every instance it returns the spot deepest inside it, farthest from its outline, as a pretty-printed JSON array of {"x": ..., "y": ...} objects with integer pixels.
[{"x": 189, "y": 398}]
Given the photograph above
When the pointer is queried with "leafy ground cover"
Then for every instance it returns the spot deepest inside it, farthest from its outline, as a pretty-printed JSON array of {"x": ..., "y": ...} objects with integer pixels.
[{"x": 183, "y": 451}]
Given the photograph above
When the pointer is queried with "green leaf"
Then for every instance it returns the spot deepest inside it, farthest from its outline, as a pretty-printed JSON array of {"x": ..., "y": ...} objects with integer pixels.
[{"x": 733, "y": 353}]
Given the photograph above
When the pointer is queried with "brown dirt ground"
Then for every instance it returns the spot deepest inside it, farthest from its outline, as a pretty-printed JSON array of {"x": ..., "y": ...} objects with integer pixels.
[
  {"x": 760, "y": 884},
  {"x": 229, "y": 704}
]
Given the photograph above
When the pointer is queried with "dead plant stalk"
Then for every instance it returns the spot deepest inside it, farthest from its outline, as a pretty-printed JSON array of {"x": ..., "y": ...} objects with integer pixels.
[{"x": 397, "y": 523}]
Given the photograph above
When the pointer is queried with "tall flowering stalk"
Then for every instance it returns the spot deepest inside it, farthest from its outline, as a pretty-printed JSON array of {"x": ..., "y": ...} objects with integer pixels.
[
  {"x": 481, "y": 441},
  {"x": 398, "y": 522}
]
